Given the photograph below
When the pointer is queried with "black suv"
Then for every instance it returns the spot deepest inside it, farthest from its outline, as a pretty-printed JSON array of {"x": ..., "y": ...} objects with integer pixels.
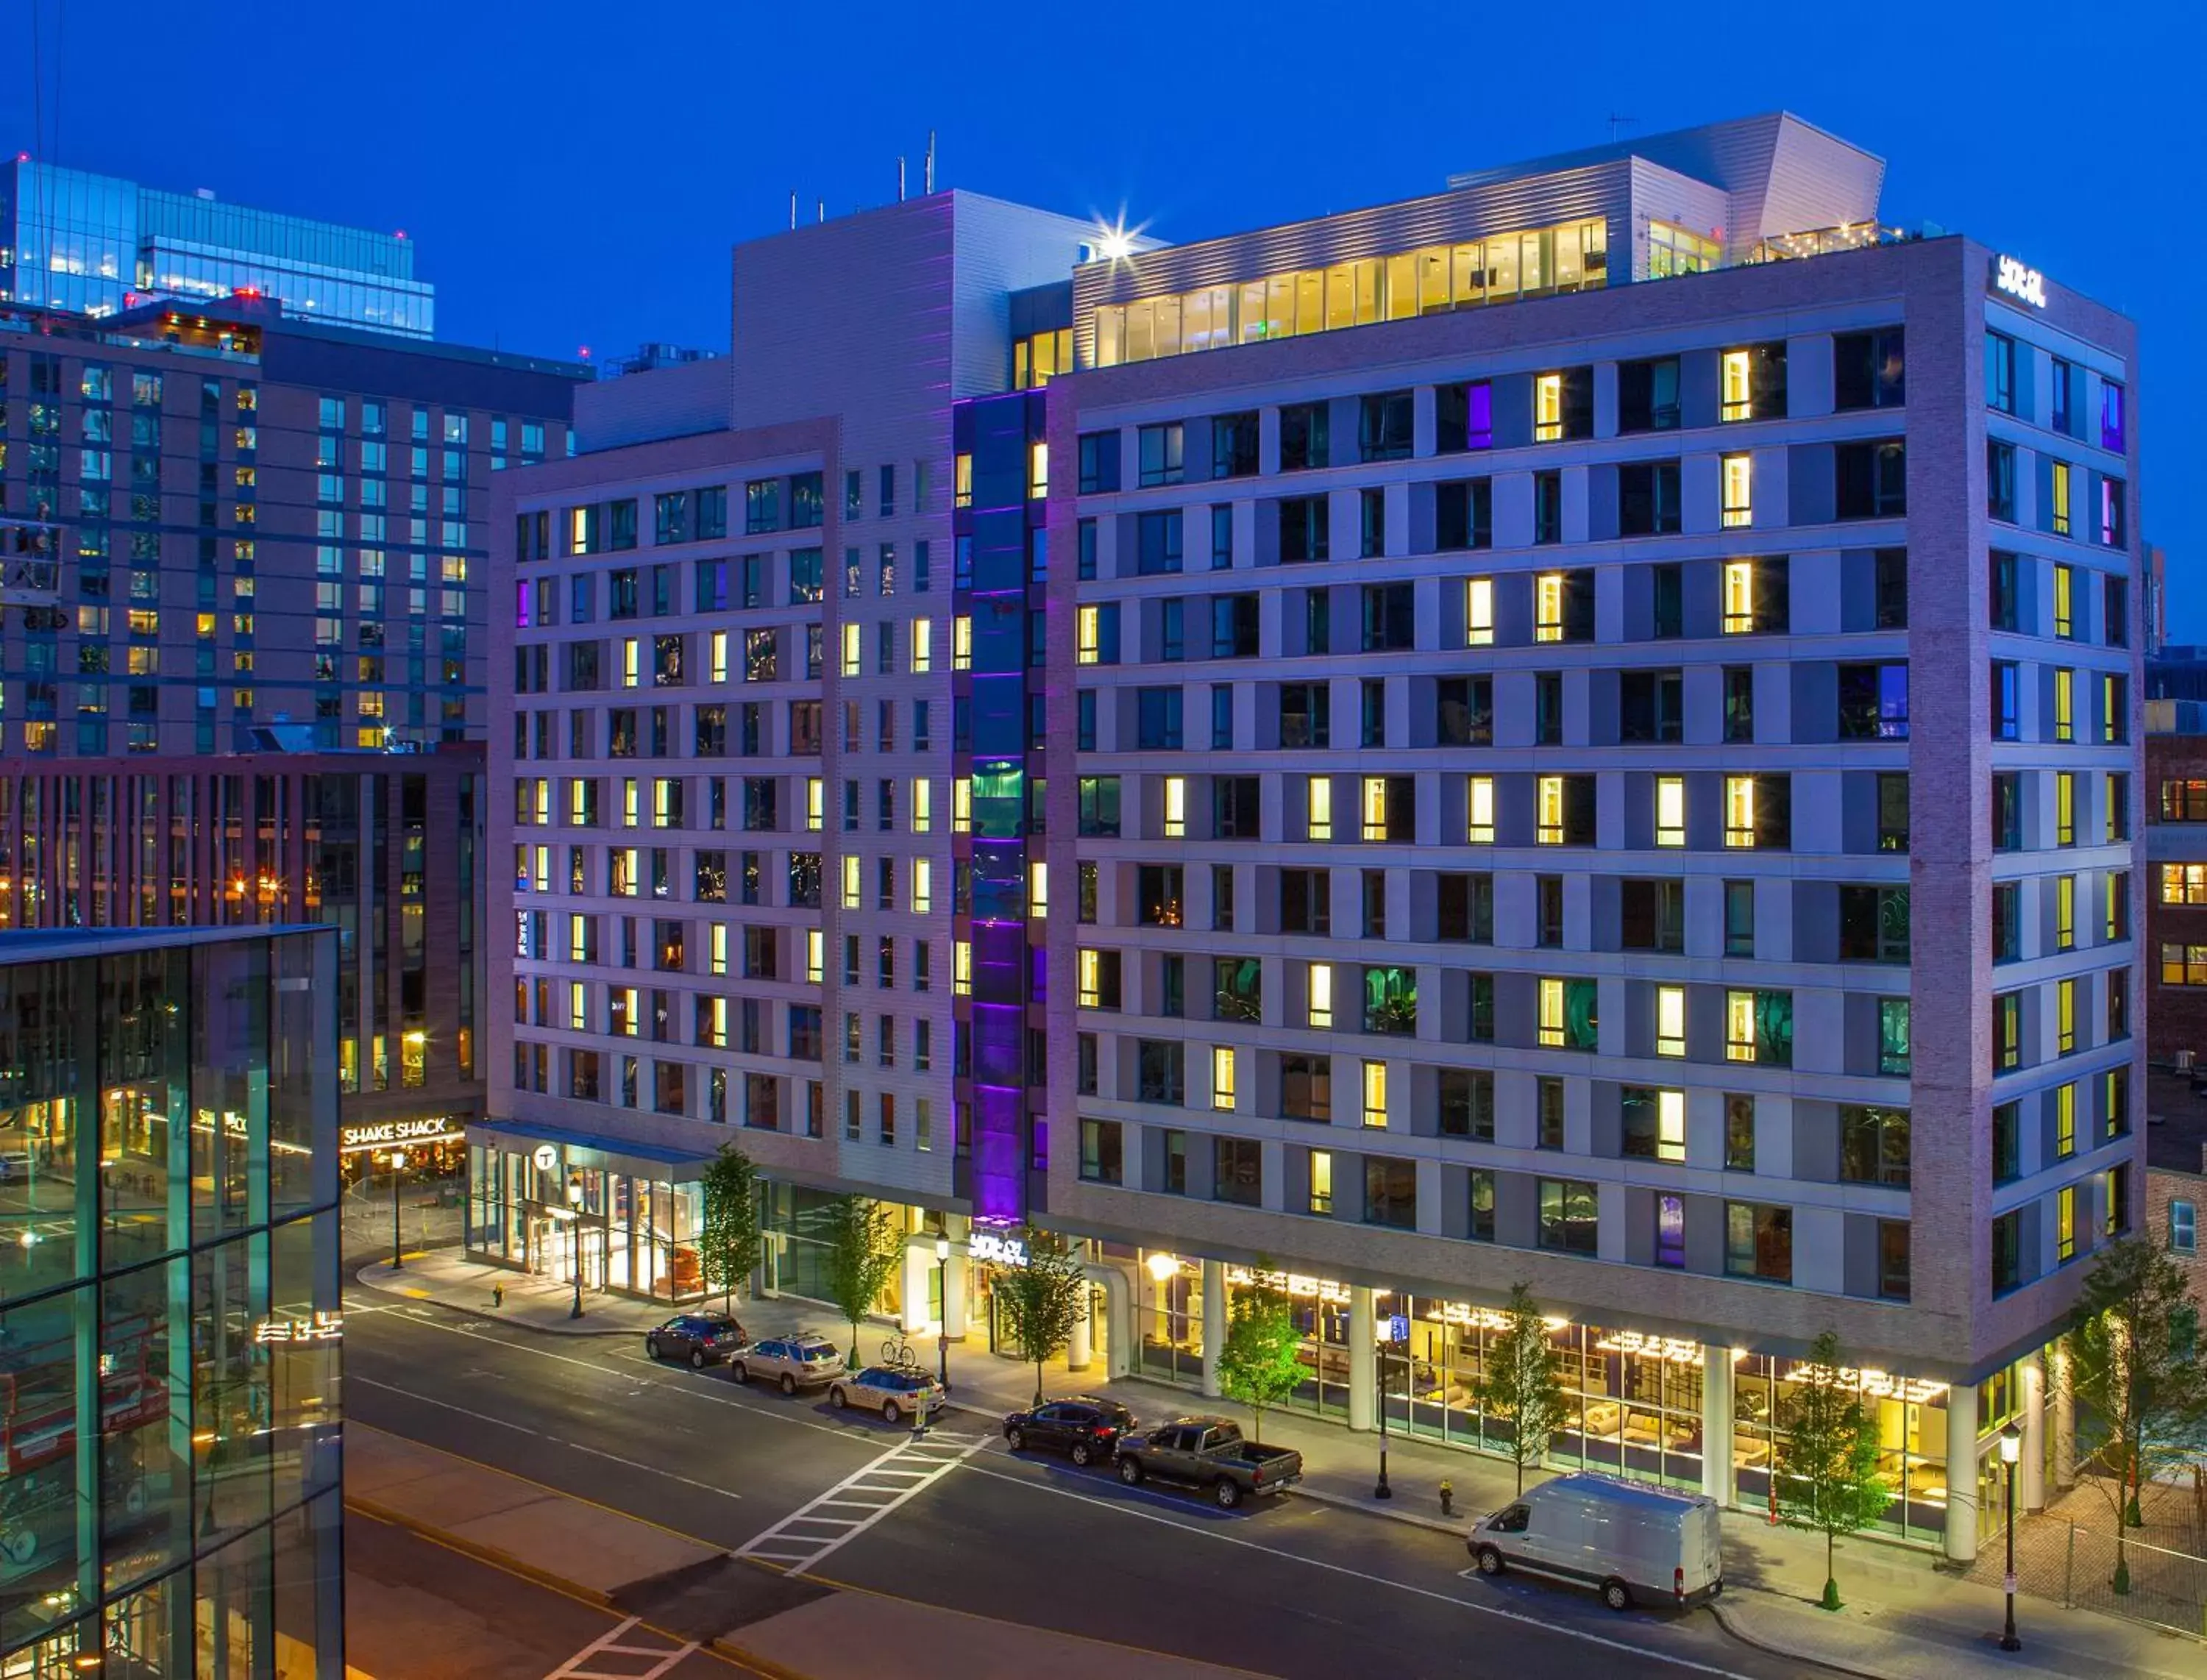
[
  {"x": 1079, "y": 1426},
  {"x": 702, "y": 1338}
]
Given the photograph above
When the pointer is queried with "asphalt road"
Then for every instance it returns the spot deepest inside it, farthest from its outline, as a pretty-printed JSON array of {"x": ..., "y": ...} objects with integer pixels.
[{"x": 1287, "y": 1586}]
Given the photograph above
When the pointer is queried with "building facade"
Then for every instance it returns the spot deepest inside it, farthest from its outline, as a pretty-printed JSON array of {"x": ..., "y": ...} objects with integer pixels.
[
  {"x": 96, "y": 245},
  {"x": 1592, "y": 724},
  {"x": 170, "y": 1403}
]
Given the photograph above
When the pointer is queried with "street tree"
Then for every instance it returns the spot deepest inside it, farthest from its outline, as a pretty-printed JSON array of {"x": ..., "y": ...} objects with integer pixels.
[
  {"x": 864, "y": 1250},
  {"x": 2134, "y": 1368},
  {"x": 1523, "y": 1381},
  {"x": 1042, "y": 1301},
  {"x": 1826, "y": 1461},
  {"x": 728, "y": 1236},
  {"x": 1261, "y": 1363}
]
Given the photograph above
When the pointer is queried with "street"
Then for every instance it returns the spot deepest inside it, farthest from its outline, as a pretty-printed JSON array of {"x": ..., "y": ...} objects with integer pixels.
[{"x": 1287, "y": 1587}]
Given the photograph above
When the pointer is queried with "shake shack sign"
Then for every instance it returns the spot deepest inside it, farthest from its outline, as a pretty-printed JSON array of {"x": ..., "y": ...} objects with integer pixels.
[{"x": 386, "y": 1134}]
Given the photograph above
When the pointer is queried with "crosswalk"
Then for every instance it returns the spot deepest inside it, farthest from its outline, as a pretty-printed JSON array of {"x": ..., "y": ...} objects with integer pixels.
[
  {"x": 810, "y": 1534},
  {"x": 614, "y": 1655}
]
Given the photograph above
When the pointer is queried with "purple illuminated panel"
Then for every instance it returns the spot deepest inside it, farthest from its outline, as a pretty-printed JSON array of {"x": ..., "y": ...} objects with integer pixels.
[{"x": 999, "y": 1190}]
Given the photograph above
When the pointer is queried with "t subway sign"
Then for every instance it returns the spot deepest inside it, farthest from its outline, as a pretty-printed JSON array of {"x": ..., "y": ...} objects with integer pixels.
[{"x": 2026, "y": 285}]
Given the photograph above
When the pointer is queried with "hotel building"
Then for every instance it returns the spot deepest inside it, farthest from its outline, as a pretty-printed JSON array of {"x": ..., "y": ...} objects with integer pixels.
[{"x": 1592, "y": 717}]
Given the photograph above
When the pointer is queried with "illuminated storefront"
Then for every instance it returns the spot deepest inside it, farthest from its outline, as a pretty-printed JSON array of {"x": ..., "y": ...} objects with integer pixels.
[{"x": 625, "y": 1216}]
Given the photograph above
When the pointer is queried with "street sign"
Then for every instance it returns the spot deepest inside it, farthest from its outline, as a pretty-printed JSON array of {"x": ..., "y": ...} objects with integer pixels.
[
  {"x": 546, "y": 1158},
  {"x": 1398, "y": 1328}
]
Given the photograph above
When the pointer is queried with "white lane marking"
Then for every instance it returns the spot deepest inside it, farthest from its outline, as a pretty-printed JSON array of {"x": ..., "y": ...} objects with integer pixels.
[
  {"x": 950, "y": 1451},
  {"x": 524, "y": 1429},
  {"x": 1639, "y": 1651},
  {"x": 609, "y": 1644}
]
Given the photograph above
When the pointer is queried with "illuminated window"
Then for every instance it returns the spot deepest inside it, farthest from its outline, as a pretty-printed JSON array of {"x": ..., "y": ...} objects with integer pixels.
[
  {"x": 961, "y": 642},
  {"x": 716, "y": 949},
  {"x": 1478, "y": 613},
  {"x": 1549, "y": 829},
  {"x": 816, "y": 958},
  {"x": 1479, "y": 809},
  {"x": 2065, "y": 713},
  {"x": 2065, "y": 1016},
  {"x": 2061, "y": 499},
  {"x": 578, "y": 1005},
  {"x": 631, "y": 656},
  {"x": 923, "y": 645},
  {"x": 1321, "y": 808},
  {"x": 853, "y": 896},
  {"x": 1551, "y": 1013},
  {"x": 2065, "y": 809},
  {"x": 2065, "y": 912},
  {"x": 1739, "y": 1026},
  {"x": 1037, "y": 471},
  {"x": 2184, "y": 883},
  {"x": 2064, "y": 1223},
  {"x": 961, "y": 805},
  {"x": 961, "y": 967},
  {"x": 815, "y": 803},
  {"x": 1321, "y": 1181},
  {"x": 1548, "y": 607},
  {"x": 1739, "y": 490},
  {"x": 1372, "y": 801},
  {"x": 622, "y": 1002},
  {"x": 853, "y": 650},
  {"x": 1222, "y": 1077},
  {"x": 923, "y": 885},
  {"x": 1086, "y": 645},
  {"x": 1175, "y": 807},
  {"x": 1321, "y": 994},
  {"x": 1739, "y": 810},
  {"x": 2065, "y": 1121},
  {"x": 1547, "y": 408},
  {"x": 629, "y": 807},
  {"x": 1670, "y": 810},
  {"x": 1670, "y": 1125},
  {"x": 1375, "y": 1093},
  {"x": 1670, "y": 1020},
  {"x": 1738, "y": 597},
  {"x": 1089, "y": 965},
  {"x": 961, "y": 479},
  {"x": 1737, "y": 386},
  {"x": 1037, "y": 892}
]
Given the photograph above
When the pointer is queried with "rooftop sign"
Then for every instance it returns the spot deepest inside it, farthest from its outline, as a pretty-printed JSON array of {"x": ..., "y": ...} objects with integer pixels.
[{"x": 2026, "y": 285}]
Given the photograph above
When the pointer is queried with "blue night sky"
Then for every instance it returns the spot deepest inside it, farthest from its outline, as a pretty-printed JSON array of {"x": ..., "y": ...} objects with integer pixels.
[{"x": 571, "y": 183}]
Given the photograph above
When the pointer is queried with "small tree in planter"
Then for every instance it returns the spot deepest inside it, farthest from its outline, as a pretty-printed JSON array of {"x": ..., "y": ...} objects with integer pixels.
[
  {"x": 728, "y": 1236},
  {"x": 1523, "y": 1381},
  {"x": 1042, "y": 1300},
  {"x": 1826, "y": 1461},
  {"x": 1260, "y": 1363},
  {"x": 864, "y": 1249}
]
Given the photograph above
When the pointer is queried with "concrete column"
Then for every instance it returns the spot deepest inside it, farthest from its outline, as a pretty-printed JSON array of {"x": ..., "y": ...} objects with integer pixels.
[
  {"x": 1214, "y": 1322},
  {"x": 1080, "y": 1347},
  {"x": 2030, "y": 1473},
  {"x": 954, "y": 1297},
  {"x": 1363, "y": 1368},
  {"x": 1962, "y": 1472},
  {"x": 2065, "y": 1417},
  {"x": 919, "y": 1262},
  {"x": 1118, "y": 1321},
  {"x": 1716, "y": 1424}
]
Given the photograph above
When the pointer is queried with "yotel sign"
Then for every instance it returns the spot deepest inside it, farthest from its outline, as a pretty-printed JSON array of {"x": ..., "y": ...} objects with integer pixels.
[{"x": 2026, "y": 285}]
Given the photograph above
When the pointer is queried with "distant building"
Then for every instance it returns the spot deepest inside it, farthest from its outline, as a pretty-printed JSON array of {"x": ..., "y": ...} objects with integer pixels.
[
  {"x": 649, "y": 358},
  {"x": 97, "y": 245}
]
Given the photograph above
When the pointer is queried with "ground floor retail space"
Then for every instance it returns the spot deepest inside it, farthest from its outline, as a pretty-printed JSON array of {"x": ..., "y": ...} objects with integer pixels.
[{"x": 616, "y": 1217}]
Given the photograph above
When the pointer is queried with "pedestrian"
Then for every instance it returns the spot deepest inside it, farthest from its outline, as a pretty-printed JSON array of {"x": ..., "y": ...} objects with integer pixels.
[{"x": 497, "y": 1296}]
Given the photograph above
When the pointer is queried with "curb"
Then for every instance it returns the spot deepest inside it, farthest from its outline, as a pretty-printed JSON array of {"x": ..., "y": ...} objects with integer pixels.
[
  {"x": 1349, "y": 1502},
  {"x": 495, "y": 1314},
  {"x": 1721, "y": 1611},
  {"x": 495, "y": 1556}
]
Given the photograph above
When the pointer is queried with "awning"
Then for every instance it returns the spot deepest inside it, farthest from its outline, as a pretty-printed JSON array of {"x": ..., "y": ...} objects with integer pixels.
[{"x": 588, "y": 1149}]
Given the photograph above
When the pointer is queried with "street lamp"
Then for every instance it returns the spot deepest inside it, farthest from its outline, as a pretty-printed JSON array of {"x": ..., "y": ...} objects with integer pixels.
[
  {"x": 942, "y": 1331},
  {"x": 575, "y": 1242},
  {"x": 2011, "y": 1449},
  {"x": 398, "y": 1242},
  {"x": 1384, "y": 1350}
]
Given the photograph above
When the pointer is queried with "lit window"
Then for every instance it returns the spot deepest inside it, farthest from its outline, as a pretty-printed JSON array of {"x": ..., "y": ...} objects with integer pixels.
[
  {"x": 1739, "y": 1026},
  {"x": 961, "y": 967},
  {"x": 1321, "y": 1180},
  {"x": 1375, "y": 1093},
  {"x": 1737, "y": 395},
  {"x": 1478, "y": 613},
  {"x": 1321, "y": 808},
  {"x": 923, "y": 645},
  {"x": 1551, "y": 1013},
  {"x": 815, "y": 955},
  {"x": 961, "y": 805},
  {"x": 2065, "y": 1121},
  {"x": 2064, "y": 1222},
  {"x": 2184, "y": 883},
  {"x": 2065, "y": 1016},
  {"x": 815, "y": 803},
  {"x": 853, "y": 651},
  {"x": 2065, "y": 912},
  {"x": 1670, "y": 1020},
  {"x": 1037, "y": 471},
  {"x": 623, "y": 1002},
  {"x": 630, "y": 669},
  {"x": 1091, "y": 966},
  {"x": 718, "y": 661},
  {"x": 1670, "y": 810},
  {"x": 1547, "y": 408},
  {"x": 2061, "y": 528},
  {"x": 853, "y": 897},
  {"x": 1373, "y": 802},
  {"x": 1739, "y": 810},
  {"x": 1038, "y": 891},
  {"x": 578, "y": 1005},
  {"x": 1088, "y": 646},
  {"x": 717, "y": 949},
  {"x": 1739, "y": 490},
  {"x": 923, "y": 804},
  {"x": 1175, "y": 811},
  {"x": 1548, "y": 607},
  {"x": 628, "y": 802},
  {"x": 2065, "y": 712},
  {"x": 1670, "y": 1125},
  {"x": 1550, "y": 828},
  {"x": 1222, "y": 1077},
  {"x": 1321, "y": 994},
  {"x": 1479, "y": 809},
  {"x": 2065, "y": 809},
  {"x": 961, "y": 479},
  {"x": 923, "y": 885},
  {"x": 961, "y": 642},
  {"x": 1738, "y": 597}
]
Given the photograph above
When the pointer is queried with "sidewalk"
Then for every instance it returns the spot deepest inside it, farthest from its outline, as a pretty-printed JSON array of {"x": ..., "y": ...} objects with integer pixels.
[
  {"x": 1909, "y": 1617},
  {"x": 779, "y": 1625}
]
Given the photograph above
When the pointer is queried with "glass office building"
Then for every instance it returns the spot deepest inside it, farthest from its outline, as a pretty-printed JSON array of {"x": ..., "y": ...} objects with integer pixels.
[{"x": 170, "y": 1315}]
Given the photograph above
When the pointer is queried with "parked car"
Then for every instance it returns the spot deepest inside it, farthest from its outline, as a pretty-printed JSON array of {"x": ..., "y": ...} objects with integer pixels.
[
  {"x": 702, "y": 1338},
  {"x": 1079, "y": 1426},
  {"x": 1632, "y": 1543},
  {"x": 895, "y": 1391},
  {"x": 804, "y": 1360},
  {"x": 1209, "y": 1453}
]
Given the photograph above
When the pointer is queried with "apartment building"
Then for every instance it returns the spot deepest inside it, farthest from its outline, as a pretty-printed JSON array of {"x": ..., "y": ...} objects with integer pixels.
[{"x": 1593, "y": 717}]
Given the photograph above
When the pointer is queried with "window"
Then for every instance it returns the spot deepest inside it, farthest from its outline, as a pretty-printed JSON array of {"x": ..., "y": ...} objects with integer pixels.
[
  {"x": 1098, "y": 462},
  {"x": 1157, "y": 543},
  {"x": 1653, "y": 1124},
  {"x": 1548, "y": 1113},
  {"x": 1466, "y": 1104},
  {"x": 1563, "y": 606},
  {"x": 1648, "y": 395},
  {"x": 1391, "y": 1192},
  {"x": 1233, "y": 444},
  {"x": 1463, "y": 514},
  {"x": 1893, "y": 1050},
  {"x": 1755, "y": 597},
  {"x": 1463, "y": 417},
  {"x": 1568, "y": 1218},
  {"x": 1563, "y": 405},
  {"x": 2183, "y": 1226},
  {"x": 1670, "y": 1020},
  {"x": 1158, "y": 454},
  {"x": 2065, "y": 1224},
  {"x": 2007, "y": 1032},
  {"x": 1652, "y": 916},
  {"x": 1303, "y": 437},
  {"x": 1872, "y": 479},
  {"x": 1305, "y": 1086},
  {"x": 1759, "y": 812},
  {"x": 1375, "y": 1094},
  {"x": 1759, "y": 1241},
  {"x": 2000, "y": 480},
  {"x": 1873, "y": 924},
  {"x": 1738, "y": 484},
  {"x": 1383, "y": 426},
  {"x": 1319, "y": 1200},
  {"x": 1650, "y": 707},
  {"x": 1548, "y": 507},
  {"x": 2111, "y": 417},
  {"x": 1480, "y": 1227},
  {"x": 1237, "y": 1171},
  {"x": 1999, "y": 371},
  {"x": 1873, "y": 1146},
  {"x": 2057, "y": 511},
  {"x": 1569, "y": 1014},
  {"x": 1320, "y": 1010},
  {"x": 1751, "y": 383},
  {"x": 1869, "y": 369},
  {"x": 1479, "y": 809},
  {"x": 1670, "y": 810},
  {"x": 1758, "y": 1027}
]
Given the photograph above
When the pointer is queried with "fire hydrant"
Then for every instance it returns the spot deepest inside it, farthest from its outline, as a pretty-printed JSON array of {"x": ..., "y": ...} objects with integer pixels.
[
  {"x": 498, "y": 1295},
  {"x": 1448, "y": 1496}
]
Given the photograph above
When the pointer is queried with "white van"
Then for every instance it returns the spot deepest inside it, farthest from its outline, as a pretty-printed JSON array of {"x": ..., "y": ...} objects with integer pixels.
[{"x": 1635, "y": 1544}]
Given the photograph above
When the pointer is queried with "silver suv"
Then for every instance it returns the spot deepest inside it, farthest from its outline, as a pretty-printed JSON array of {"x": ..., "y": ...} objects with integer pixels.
[{"x": 804, "y": 1360}]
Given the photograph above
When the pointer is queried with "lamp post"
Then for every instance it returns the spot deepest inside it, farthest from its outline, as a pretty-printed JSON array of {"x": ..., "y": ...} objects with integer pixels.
[
  {"x": 575, "y": 1243},
  {"x": 1386, "y": 1351},
  {"x": 2011, "y": 1449},
  {"x": 397, "y": 1242},
  {"x": 942, "y": 1331}
]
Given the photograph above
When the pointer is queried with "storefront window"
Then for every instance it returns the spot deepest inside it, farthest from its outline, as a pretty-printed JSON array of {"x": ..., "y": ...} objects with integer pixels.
[
  {"x": 1168, "y": 1317},
  {"x": 1912, "y": 1422}
]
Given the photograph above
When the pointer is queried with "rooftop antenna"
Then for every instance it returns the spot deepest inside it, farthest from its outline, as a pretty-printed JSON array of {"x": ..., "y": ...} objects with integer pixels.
[
  {"x": 900, "y": 178},
  {"x": 931, "y": 161},
  {"x": 823, "y": 209},
  {"x": 1616, "y": 122},
  {"x": 792, "y": 210}
]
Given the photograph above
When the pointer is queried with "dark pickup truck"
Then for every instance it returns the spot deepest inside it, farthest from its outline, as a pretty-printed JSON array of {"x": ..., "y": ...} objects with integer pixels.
[{"x": 1209, "y": 1453}]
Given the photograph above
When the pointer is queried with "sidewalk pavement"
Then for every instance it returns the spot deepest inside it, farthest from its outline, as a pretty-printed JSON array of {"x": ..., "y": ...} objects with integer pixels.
[
  {"x": 1909, "y": 1615},
  {"x": 779, "y": 1625}
]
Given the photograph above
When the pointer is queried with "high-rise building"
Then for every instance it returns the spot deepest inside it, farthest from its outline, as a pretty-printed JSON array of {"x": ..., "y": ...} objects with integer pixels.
[
  {"x": 242, "y": 653},
  {"x": 1580, "y": 730},
  {"x": 169, "y": 1394},
  {"x": 97, "y": 245}
]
